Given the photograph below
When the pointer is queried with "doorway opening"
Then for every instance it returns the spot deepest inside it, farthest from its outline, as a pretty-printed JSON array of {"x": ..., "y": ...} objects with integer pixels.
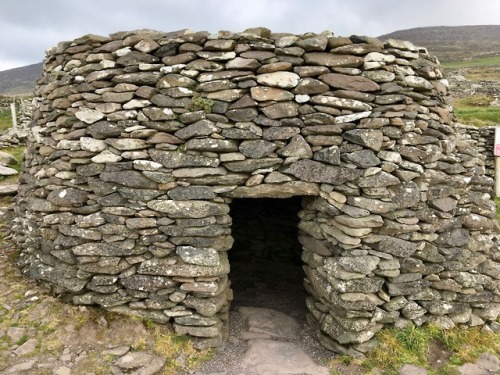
[{"x": 266, "y": 265}]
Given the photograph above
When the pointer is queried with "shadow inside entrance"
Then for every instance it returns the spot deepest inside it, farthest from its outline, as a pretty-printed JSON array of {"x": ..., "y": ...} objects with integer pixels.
[{"x": 266, "y": 268}]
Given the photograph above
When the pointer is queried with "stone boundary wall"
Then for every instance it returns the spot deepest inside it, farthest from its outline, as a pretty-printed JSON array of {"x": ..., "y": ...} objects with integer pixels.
[
  {"x": 16, "y": 137},
  {"x": 484, "y": 138},
  {"x": 142, "y": 138}
]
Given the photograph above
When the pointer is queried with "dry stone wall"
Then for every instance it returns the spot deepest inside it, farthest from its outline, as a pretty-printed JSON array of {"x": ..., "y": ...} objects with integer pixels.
[
  {"x": 484, "y": 140},
  {"x": 143, "y": 138},
  {"x": 13, "y": 137}
]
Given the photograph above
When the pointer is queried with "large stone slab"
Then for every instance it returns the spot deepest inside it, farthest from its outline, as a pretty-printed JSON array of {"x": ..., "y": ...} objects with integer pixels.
[
  {"x": 313, "y": 171},
  {"x": 331, "y": 60},
  {"x": 269, "y": 357},
  {"x": 188, "y": 209},
  {"x": 282, "y": 190},
  {"x": 269, "y": 323},
  {"x": 348, "y": 82}
]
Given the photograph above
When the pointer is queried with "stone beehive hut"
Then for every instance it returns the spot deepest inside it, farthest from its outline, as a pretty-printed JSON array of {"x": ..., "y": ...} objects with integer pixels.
[{"x": 142, "y": 139}]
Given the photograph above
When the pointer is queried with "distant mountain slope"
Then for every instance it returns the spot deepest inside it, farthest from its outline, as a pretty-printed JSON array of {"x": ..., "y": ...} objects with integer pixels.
[
  {"x": 20, "y": 81},
  {"x": 453, "y": 42}
]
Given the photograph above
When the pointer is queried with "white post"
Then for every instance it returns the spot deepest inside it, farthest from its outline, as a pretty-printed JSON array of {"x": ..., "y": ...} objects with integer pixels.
[
  {"x": 496, "y": 152},
  {"x": 13, "y": 112},
  {"x": 497, "y": 176}
]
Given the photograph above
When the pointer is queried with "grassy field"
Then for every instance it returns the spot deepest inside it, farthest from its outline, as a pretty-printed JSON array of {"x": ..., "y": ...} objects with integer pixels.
[
  {"x": 476, "y": 110},
  {"x": 483, "y": 61},
  {"x": 5, "y": 120}
]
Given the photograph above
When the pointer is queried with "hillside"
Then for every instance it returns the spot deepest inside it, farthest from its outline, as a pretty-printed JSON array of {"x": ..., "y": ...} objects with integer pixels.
[
  {"x": 451, "y": 43},
  {"x": 19, "y": 81}
]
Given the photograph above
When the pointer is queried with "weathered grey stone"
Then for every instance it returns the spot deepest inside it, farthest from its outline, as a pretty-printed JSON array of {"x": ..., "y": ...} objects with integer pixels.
[
  {"x": 175, "y": 80},
  {"x": 280, "y": 133},
  {"x": 348, "y": 82},
  {"x": 103, "y": 249},
  {"x": 284, "y": 80},
  {"x": 68, "y": 197},
  {"x": 104, "y": 130},
  {"x": 370, "y": 138},
  {"x": 369, "y": 221},
  {"x": 417, "y": 82},
  {"x": 330, "y": 155},
  {"x": 251, "y": 165},
  {"x": 280, "y": 110},
  {"x": 260, "y": 93},
  {"x": 141, "y": 362},
  {"x": 297, "y": 147},
  {"x": 210, "y": 144},
  {"x": 191, "y": 192},
  {"x": 6, "y": 159},
  {"x": 310, "y": 86},
  {"x": 282, "y": 190},
  {"x": 342, "y": 103},
  {"x": 243, "y": 64},
  {"x": 363, "y": 158},
  {"x": 243, "y": 114},
  {"x": 360, "y": 264},
  {"x": 89, "y": 116},
  {"x": 199, "y": 128},
  {"x": 129, "y": 178},
  {"x": 343, "y": 336},
  {"x": 408, "y": 288},
  {"x": 406, "y": 194},
  {"x": 365, "y": 285},
  {"x": 229, "y": 95},
  {"x": 127, "y": 144},
  {"x": 188, "y": 209},
  {"x": 175, "y": 159},
  {"x": 257, "y": 149},
  {"x": 331, "y": 60},
  {"x": 380, "y": 179},
  {"x": 445, "y": 307},
  {"x": 444, "y": 204},
  {"x": 380, "y": 76},
  {"x": 396, "y": 247},
  {"x": 201, "y": 257},
  {"x": 312, "y": 171},
  {"x": 164, "y": 267},
  {"x": 372, "y": 205},
  {"x": 454, "y": 238}
]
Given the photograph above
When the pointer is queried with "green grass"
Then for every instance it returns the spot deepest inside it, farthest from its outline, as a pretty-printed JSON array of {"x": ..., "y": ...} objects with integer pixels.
[
  {"x": 475, "y": 110},
  {"x": 412, "y": 345},
  {"x": 5, "y": 120},
  {"x": 478, "y": 116},
  {"x": 482, "y": 61}
]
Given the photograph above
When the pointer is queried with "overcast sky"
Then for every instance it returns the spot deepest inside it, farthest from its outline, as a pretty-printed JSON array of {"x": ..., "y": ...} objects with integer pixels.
[{"x": 29, "y": 27}]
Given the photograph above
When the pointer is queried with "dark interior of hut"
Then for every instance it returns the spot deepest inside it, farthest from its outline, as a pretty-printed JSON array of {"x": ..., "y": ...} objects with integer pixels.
[{"x": 266, "y": 266}]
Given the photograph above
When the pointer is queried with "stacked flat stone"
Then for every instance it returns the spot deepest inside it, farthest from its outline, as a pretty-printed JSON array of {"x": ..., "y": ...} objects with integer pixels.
[{"x": 143, "y": 138}]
